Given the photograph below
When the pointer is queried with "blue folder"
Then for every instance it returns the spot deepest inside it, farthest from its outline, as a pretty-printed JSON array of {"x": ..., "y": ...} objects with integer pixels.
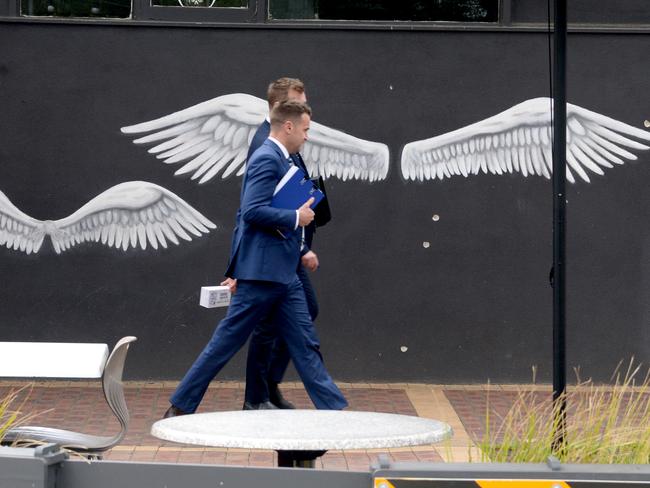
[{"x": 294, "y": 189}]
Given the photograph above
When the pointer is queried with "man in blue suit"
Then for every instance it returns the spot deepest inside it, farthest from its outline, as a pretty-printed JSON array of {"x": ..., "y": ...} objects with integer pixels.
[
  {"x": 268, "y": 356},
  {"x": 265, "y": 256}
]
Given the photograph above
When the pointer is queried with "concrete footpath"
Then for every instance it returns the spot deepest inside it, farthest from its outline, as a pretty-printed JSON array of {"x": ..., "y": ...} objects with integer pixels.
[{"x": 80, "y": 406}]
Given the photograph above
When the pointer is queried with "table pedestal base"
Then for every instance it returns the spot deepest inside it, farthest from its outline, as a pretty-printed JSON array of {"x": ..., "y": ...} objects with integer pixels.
[{"x": 298, "y": 459}]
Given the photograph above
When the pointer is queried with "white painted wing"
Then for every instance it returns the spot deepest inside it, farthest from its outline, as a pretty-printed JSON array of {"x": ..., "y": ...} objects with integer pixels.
[
  {"x": 19, "y": 231},
  {"x": 208, "y": 137},
  {"x": 214, "y": 136},
  {"x": 519, "y": 140},
  {"x": 131, "y": 214},
  {"x": 330, "y": 152}
]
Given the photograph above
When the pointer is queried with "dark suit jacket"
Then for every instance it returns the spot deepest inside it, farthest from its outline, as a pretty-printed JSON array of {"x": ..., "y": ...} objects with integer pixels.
[{"x": 259, "y": 252}]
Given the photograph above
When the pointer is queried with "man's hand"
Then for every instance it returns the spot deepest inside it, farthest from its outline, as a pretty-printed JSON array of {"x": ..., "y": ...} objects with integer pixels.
[
  {"x": 231, "y": 284},
  {"x": 310, "y": 261},
  {"x": 305, "y": 214}
]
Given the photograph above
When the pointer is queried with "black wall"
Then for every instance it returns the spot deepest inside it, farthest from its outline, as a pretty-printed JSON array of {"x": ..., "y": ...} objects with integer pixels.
[{"x": 475, "y": 304}]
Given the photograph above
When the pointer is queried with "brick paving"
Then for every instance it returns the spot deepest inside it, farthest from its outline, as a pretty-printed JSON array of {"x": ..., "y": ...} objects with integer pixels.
[
  {"x": 80, "y": 406},
  {"x": 470, "y": 405}
]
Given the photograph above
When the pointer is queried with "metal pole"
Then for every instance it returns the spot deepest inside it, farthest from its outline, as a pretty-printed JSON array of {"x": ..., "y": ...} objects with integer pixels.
[{"x": 559, "y": 218}]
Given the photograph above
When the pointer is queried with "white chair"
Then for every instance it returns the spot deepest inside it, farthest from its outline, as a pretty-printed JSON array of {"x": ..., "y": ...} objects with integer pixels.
[{"x": 87, "y": 444}]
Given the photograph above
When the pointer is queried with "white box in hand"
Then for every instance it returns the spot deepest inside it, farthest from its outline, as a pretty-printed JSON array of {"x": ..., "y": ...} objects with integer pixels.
[{"x": 214, "y": 296}]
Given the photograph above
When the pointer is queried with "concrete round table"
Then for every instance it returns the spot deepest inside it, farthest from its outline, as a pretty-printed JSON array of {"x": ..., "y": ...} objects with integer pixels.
[{"x": 300, "y": 436}]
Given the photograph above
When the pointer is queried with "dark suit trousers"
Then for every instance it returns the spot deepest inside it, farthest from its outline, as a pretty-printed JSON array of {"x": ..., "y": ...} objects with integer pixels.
[
  {"x": 268, "y": 355},
  {"x": 254, "y": 302}
]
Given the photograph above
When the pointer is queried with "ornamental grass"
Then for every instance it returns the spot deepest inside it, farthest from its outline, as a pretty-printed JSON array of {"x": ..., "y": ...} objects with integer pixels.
[
  {"x": 11, "y": 406},
  {"x": 605, "y": 424}
]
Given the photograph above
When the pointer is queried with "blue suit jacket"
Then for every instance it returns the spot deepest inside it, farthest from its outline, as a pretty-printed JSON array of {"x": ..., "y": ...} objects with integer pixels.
[
  {"x": 260, "y": 136},
  {"x": 259, "y": 252}
]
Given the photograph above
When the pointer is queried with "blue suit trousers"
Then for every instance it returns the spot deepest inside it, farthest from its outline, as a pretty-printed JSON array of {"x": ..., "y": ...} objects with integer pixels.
[
  {"x": 268, "y": 355},
  {"x": 282, "y": 307}
]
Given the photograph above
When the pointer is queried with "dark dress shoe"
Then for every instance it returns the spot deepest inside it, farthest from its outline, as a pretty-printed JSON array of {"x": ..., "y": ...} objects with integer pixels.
[
  {"x": 173, "y": 411},
  {"x": 259, "y": 406},
  {"x": 276, "y": 398}
]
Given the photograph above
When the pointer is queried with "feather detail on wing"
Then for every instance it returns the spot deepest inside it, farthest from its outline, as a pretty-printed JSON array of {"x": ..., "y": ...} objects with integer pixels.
[
  {"x": 214, "y": 136},
  {"x": 131, "y": 214},
  {"x": 330, "y": 152},
  {"x": 19, "y": 231},
  {"x": 520, "y": 140},
  {"x": 209, "y": 137}
]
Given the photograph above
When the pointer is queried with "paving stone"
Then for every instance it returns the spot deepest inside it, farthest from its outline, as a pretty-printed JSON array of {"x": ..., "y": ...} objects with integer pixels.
[{"x": 80, "y": 405}]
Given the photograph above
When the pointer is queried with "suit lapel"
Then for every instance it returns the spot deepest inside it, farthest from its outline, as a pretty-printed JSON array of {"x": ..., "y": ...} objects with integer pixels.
[{"x": 284, "y": 163}]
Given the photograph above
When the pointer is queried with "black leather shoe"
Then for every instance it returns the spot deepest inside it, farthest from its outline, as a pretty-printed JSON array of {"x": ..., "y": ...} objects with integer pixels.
[
  {"x": 276, "y": 398},
  {"x": 259, "y": 406},
  {"x": 173, "y": 411}
]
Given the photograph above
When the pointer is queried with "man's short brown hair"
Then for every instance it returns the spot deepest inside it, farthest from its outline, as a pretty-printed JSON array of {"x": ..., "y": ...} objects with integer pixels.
[
  {"x": 288, "y": 110},
  {"x": 279, "y": 90}
]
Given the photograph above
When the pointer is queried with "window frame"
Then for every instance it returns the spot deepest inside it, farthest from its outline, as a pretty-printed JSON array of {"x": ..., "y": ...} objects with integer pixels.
[{"x": 11, "y": 8}]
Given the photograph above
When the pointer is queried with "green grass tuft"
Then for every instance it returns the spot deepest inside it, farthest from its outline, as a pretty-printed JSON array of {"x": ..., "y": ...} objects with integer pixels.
[
  {"x": 608, "y": 424},
  {"x": 11, "y": 415}
]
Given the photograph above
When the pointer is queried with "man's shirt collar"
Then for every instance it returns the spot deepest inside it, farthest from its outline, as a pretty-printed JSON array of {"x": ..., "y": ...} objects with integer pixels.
[{"x": 281, "y": 146}]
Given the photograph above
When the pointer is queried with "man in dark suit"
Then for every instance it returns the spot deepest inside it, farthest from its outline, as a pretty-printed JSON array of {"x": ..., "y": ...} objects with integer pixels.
[
  {"x": 265, "y": 256},
  {"x": 268, "y": 356}
]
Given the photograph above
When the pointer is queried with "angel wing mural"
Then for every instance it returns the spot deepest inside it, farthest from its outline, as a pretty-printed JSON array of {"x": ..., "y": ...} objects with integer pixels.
[
  {"x": 212, "y": 137},
  {"x": 520, "y": 140},
  {"x": 126, "y": 215}
]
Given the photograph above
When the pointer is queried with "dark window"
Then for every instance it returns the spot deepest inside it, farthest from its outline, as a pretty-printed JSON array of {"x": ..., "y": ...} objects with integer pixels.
[
  {"x": 179, "y": 9},
  {"x": 198, "y": 10},
  {"x": 387, "y": 10},
  {"x": 77, "y": 8},
  {"x": 201, "y": 3}
]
